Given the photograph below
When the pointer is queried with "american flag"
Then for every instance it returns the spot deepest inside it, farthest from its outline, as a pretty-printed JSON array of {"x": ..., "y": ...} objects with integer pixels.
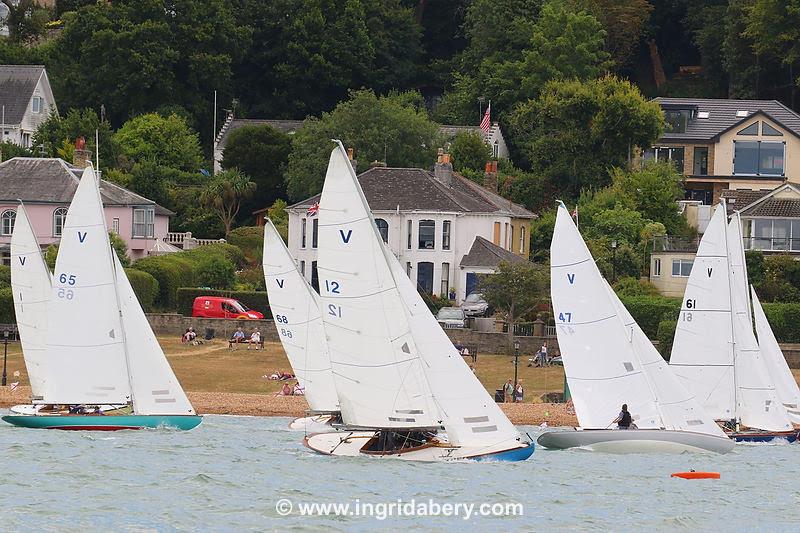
[
  {"x": 313, "y": 210},
  {"x": 487, "y": 119}
]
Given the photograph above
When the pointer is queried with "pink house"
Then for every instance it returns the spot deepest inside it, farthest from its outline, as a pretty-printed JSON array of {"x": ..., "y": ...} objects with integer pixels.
[{"x": 46, "y": 186}]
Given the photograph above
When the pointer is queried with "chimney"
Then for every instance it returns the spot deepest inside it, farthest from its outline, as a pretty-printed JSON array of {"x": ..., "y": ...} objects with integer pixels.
[
  {"x": 490, "y": 176},
  {"x": 81, "y": 157},
  {"x": 350, "y": 156},
  {"x": 443, "y": 169}
]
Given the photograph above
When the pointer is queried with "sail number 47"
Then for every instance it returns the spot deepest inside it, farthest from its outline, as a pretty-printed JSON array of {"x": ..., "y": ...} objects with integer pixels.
[{"x": 565, "y": 317}]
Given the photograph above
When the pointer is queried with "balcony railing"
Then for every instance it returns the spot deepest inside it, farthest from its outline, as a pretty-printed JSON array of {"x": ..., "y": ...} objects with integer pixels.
[
  {"x": 772, "y": 244},
  {"x": 666, "y": 243}
]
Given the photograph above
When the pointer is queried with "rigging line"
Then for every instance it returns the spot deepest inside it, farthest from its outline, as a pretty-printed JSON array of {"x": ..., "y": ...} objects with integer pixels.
[
  {"x": 572, "y": 264},
  {"x": 610, "y": 378},
  {"x": 83, "y": 286},
  {"x": 83, "y": 345},
  {"x": 73, "y": 226},
  {"x": 393, "y": 363},
  {"x": 338, "y": 297},
  {"x": 585, "y": 323},
  {"x": 344, "y": 222}
]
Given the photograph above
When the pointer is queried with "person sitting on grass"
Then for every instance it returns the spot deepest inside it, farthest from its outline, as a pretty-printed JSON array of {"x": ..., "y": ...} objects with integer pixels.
[
  {"x": 286, "y": 390},
  {"x": 237, "y": 337}
]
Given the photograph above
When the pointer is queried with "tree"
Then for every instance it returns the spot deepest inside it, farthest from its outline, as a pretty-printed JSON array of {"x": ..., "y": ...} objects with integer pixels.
[
  {"x": 27, "y": 20},
  {"x": 575, "y": 131},
  {"x": 9, "y": 150},
  {"x": 280, "y": 218},
  {"x": 653, "y": 191},
  {"x": 51, "y": 134},
  {"x": 165, "y": 141},
  {"x": 226, "y": 193},
  {"x": 120, "y": 248},
  {"x": 393, "y": 128},
  {"x": 262, "y": 153},
  {"x": 469, "y": 151},
  {"x": 624, "y": 22},
  {"x": 516, "y": 289}
]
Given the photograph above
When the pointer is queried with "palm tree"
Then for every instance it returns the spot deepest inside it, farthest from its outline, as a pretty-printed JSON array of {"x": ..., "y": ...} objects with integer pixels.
[{"x": 225, "y": 193}]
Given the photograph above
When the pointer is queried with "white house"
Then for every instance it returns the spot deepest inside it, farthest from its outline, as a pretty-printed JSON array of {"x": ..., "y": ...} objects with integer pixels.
[
  {"x": 26, "y": 100},
  {"x": 445, "y": 229}
]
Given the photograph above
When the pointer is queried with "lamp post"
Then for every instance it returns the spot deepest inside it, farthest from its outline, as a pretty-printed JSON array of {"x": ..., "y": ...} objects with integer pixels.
[
  {"x": 613, "y": 261},
  {"x": 516, "y": 360},
  {"x": 5, "y": 354}
]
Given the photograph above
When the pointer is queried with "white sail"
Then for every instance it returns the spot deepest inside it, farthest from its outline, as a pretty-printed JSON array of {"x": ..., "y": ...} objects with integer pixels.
[
  {"x": 296, "y": 312},
  {"x": 607, "y": 359},
  {"x": 376, "y": 364},
  {"x": 85, "y": 342},
  {"x": 31, "y": 285},
  {"x": 785, "y": 384},
  {"x": 758, "y": 405},
  {"x": 702, "y": 351},
  {"x": 156, "y": 390}
]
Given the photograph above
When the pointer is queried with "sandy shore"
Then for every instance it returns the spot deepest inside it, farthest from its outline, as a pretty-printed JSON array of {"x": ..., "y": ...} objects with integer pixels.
[{"x": 224, "y": 403}]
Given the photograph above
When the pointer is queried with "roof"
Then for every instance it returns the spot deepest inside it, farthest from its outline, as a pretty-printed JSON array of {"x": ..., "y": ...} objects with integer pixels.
[
  {"x": 53, "y": 181},
  {"x": 416, "y": 189},
  {"x": 285, "y": 126},
  {"x": 763, "y": 203},
  {"x": 484, "y": 253},
  {"x": 722, "y": 116},
  {"x": 17, "y": 83}
]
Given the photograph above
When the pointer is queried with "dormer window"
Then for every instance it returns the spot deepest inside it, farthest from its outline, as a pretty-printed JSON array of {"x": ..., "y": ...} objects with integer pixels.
[
  {"x": 36, "y": 104},
  {"x": 676, "y": 120}
]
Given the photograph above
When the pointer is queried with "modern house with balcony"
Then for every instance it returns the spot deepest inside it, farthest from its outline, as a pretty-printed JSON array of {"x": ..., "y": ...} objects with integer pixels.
[
  {"x": 729, "y": 144},
  {"x": 445, "y": 229},
  {"x": 770, "y": 219}
]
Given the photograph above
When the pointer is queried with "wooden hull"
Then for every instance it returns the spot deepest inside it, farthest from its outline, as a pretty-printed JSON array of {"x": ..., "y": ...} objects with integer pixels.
[
  {"x": 635, "y": 441},
  {"x": 763, "y": 436}
]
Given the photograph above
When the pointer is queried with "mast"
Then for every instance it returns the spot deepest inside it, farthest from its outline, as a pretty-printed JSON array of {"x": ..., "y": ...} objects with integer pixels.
[{"x": 733, "y": 329}]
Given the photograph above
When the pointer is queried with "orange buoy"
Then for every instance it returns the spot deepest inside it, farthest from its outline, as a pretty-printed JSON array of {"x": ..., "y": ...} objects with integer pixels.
[{"x": 696, "y": 475}]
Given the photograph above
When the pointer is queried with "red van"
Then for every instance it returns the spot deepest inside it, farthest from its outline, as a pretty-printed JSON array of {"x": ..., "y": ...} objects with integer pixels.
[{"x": 221, "y": 307}]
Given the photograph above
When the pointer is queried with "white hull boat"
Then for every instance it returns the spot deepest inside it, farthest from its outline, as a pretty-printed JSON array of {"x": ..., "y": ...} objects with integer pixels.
[
  {"x": 313, "y": 424},
  {"x": 361, "y": 444},
  {"x": 635, "y": 441}
]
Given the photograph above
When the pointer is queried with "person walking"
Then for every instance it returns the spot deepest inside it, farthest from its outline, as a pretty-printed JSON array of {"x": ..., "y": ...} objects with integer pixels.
[
  {"x": 508, "y": 391},
  {"x": 518, "y": 392}
]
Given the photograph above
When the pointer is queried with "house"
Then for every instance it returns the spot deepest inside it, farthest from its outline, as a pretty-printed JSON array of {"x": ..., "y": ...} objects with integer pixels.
[
  {"x": 443, "y": 228},
  {"x": 46, "y": 186},
  {"x": 729, "y": 144},
  {"x": 671, "y": 263},
  {"x": 26, "y": 100},
  {"x": 494, "y": 137},
  {"x": 770, "y": 218}
]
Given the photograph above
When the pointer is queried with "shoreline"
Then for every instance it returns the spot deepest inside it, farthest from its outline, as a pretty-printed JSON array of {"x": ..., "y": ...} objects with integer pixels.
[{"x": 230, "y": 403}]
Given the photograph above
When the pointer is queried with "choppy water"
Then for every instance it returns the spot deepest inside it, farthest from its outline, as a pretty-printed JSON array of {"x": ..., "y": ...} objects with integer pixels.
[{"x": 229, "y": 474}]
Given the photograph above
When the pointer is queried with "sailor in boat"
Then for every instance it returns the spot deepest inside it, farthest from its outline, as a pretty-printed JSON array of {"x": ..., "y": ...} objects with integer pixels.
[{"x": 624, "y": 420}]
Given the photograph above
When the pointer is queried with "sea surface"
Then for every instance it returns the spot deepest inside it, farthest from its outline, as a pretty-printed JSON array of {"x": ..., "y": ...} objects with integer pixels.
[{"x": 232, "y": 473}]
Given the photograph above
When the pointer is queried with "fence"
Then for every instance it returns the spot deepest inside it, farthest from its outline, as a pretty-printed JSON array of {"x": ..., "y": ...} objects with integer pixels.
[{"x": 185, "y": 241}]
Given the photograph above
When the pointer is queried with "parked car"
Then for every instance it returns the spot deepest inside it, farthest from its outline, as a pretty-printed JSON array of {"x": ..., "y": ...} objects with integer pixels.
[
  {"x": 221, "y": 307},
  {"x": 475, "y": 305},
  {"x": 451, "y": 317}
]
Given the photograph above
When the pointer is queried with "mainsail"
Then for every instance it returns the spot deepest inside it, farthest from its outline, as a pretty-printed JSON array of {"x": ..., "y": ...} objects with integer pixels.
[
  {"x": 607, "y": 358},
  {"x": 296, "y": 312},
  {"x": 85, "y": 340},
  {"x": 31, "y": 286},
  {"x": 785, "y": 384}
]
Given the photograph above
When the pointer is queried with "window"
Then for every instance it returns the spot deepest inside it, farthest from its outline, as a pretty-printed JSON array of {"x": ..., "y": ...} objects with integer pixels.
[
  {"x": 444, "y": 288},
  {"x": 425, "y": 277},
  {"x": 769, "y": 131},
  {"x": 408, "y": 269},
  {"x": 303, "y": 268},
  {"x": 511, "y": 240},
  {"x": 758, "y": 158},
  {"x": 314, "y": 231},
  {"x": 427, "y": 234},
  {"x": 36, "y": 104},
  {"x": 303, "y": 233},
  {"x": 676, "y": 120},
  {"x": 446, "y": 235},
  {"x": 26, "y": 140},
  {"x": 505, "y": 243},
  {"x": 496, "y": 149},
  {"x": 681, "y": 268},
  {"x": 522, "y": 239},
  {"x": 59, "y": 217},
  {"x": 752, "y": 129},
  {"x": 314, "y": 276},
  {"x": 143, "y": 223},
  {"x": 773, "y": 235},
  {"x": 410, "y": 231},
  {"x": 656, "y": 267},
  {"x": 7, "y": 222},
  {"x": 700, "y": 167},
  {"x": 496, "y": 238},
  {"x": 666, "y": 153},
  {"x": 115, "y": 225},
  {"x": 383, "y": 229}
]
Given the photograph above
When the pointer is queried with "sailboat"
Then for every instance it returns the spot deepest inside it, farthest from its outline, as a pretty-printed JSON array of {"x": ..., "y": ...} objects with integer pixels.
[
  {"x": 100, "y": 349},
  {"x": 31, "y": 287},
  {"x": 715, "y": 352},
  {"x": 609, "y": 361},
  {"x": 296, "y": 312},
  {"x": 399, "y": 379},
  {"x": 785, "y": 384}
]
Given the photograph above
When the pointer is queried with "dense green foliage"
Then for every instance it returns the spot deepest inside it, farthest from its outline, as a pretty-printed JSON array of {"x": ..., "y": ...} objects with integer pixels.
[
  {"x": 145, "y": 286},
  {"x": 250, "y": 240},
  {"x": 649, "y": 311},
  {"x": 6, "y": 306},
  {"x": 257, "y": 301}
]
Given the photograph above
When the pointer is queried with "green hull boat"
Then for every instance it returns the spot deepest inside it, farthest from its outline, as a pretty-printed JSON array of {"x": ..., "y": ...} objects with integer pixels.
[{"x": 104, "y": 423}]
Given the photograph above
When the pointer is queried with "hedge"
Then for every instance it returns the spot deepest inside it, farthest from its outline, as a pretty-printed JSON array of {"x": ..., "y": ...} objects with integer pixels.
[
  {"x": 666, "y": 334},
  {"x": 256, "y": 301},
  {"x": 7, "y": 306},
  {"x": 784, "y": 318},
  {"x": 145, "y": 286},
  {"x": 5, "y": 276},
  {"x": 649, "y": 311}
]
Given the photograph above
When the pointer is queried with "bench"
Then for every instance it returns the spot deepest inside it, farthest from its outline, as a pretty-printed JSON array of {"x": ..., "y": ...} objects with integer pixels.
[{"x": 231, "y": 342}]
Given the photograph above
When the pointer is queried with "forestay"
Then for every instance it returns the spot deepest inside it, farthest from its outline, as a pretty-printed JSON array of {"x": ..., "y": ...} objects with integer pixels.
[
  {"x": 607, "y": 359},
  {"x": 156, "y": 390},
  {"x": 377, "y": 367},
  {"x": 85, "y": 342},
  {"x": 758, "y": 404},
  {"x": 295, "y": 309},
  {"x": 31, "y": 286},
  {"x": 702, "y": 351},
  {"x": 785, "y": 384}
]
